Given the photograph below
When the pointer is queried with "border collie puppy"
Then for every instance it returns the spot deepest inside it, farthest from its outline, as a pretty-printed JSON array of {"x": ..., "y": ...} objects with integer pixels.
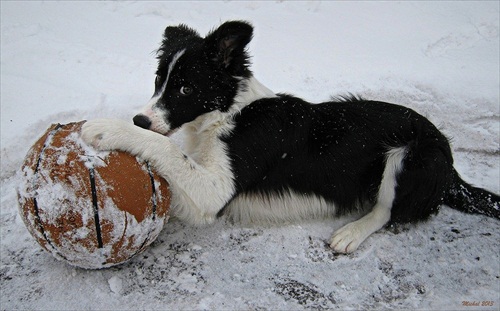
[{"x": 259, "y": 156}]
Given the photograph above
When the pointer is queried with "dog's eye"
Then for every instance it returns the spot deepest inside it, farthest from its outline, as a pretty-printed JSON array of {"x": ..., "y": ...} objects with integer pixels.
[
  {"x": 186, "y": 90},
  {"x": 157, "y": 79}
]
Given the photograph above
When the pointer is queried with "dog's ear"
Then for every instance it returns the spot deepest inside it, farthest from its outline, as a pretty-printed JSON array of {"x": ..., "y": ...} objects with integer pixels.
[
  {"x": 175, "y": 37},
  {"x": 178, "y": 33},
  {"x": 227, "y": 44}
]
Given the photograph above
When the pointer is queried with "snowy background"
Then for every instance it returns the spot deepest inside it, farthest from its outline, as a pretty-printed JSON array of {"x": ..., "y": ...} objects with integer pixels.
[{"x": 69, "y": 61}]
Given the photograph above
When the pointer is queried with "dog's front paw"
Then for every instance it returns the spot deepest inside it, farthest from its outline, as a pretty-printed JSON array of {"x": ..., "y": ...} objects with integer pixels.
[{"x": 106, "y": 134}]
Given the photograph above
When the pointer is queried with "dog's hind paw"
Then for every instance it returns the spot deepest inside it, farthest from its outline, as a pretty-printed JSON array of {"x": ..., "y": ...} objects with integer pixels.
[{"x": 348, "y": 238}]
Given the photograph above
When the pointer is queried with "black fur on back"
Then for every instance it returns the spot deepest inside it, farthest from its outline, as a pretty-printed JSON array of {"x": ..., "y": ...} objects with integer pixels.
[{"x": 281, "y": 142}]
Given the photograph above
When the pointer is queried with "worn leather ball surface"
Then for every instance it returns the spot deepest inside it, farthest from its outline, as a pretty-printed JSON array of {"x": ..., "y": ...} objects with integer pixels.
[{"x": 90, "y": 208}]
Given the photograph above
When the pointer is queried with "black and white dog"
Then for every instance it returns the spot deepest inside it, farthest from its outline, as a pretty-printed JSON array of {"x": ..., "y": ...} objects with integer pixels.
[{"x": 259, "y": 156}]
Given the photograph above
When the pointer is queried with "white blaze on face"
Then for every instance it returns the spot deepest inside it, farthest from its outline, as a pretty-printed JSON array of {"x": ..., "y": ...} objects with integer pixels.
[{"x": 156, "y": 113}]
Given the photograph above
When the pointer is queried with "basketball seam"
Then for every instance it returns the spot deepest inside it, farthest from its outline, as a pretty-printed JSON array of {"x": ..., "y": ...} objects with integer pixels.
[
  {"x": 38, "y": 221},
  {"x": 95, "y": 205},
  {"x": 153, "y": 194},
  {"x": 154, "y": 200}
]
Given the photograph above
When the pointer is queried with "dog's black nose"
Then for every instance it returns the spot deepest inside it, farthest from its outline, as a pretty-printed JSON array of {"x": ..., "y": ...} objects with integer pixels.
[{"x": 142, "y": 121}]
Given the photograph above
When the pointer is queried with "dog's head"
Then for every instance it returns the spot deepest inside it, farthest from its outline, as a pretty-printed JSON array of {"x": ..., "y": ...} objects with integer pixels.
[{"x": 196, "y": 75}]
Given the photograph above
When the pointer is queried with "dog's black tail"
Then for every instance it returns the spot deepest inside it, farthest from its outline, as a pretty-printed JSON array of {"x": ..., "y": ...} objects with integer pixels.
[{"x": 469, "y": 199}]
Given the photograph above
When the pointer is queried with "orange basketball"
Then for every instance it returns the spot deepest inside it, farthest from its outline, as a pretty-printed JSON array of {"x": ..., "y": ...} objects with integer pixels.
[{"x": 90, "y": 208}]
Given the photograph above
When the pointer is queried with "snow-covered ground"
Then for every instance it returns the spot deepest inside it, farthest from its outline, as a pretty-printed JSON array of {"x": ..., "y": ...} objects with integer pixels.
[{"x": 69, "y": 61}]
